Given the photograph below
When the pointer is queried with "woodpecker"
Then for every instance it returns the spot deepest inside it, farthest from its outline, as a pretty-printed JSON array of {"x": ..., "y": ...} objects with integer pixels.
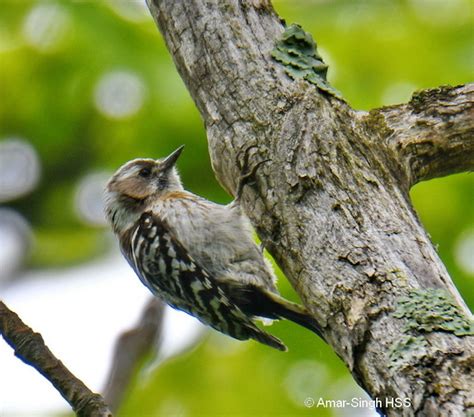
[{"x": 197, "y": 256}]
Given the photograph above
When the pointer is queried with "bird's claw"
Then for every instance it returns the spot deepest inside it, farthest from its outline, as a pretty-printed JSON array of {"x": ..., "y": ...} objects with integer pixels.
[{"x": 247, "y": 173}]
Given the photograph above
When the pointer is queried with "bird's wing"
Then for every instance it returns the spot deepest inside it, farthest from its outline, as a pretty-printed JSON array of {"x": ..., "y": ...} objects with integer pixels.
[{"x": 167, "y": 269}]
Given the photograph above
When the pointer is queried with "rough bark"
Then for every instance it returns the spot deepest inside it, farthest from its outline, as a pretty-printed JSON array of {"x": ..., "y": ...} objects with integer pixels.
[
  {"x": 432, "y": 134},
  {"x": 331, "y": 201},
  {"x": 31, "y": 349}
]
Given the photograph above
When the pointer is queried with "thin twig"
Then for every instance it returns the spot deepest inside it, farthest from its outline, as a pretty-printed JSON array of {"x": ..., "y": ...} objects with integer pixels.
[
  {"x": 31, "y": 349},
  {"x": 130, "y": 348}
]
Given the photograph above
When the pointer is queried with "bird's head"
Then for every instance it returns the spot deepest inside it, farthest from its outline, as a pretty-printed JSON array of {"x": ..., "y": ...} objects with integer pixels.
[
  {"x": 143, "y": 178},
  {"x": 141, "y": 181}
]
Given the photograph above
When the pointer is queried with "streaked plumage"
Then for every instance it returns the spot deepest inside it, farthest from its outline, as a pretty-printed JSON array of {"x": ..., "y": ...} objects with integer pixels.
[{"x": 196, "y": 255}]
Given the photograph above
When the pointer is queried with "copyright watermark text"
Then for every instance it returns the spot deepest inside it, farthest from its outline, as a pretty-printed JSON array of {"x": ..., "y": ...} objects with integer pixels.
[{"x": 358, "y": 402}]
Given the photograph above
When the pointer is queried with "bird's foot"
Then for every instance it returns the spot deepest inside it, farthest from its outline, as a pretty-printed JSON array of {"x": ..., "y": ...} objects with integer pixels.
[{"x": 248, "y": 173}]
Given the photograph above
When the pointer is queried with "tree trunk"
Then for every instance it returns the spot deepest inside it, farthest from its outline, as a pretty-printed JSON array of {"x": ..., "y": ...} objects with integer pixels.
[{"x": 330, "y": 199}]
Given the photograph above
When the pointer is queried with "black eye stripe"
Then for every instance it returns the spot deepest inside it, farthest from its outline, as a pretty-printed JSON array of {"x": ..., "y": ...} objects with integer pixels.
[{"x": 145, "y": 172}]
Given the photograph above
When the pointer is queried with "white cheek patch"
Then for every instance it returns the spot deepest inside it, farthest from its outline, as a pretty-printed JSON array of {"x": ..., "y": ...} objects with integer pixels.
[{"x": 128, "y": 174}]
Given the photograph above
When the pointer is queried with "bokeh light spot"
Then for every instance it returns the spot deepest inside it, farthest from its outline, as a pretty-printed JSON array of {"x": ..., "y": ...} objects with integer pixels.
[
  {"x": 172, "y": 407},
  {"x": 46, "y": 26},
  {"x": 89, "y": 198},
  {"x": 464, "y": 252},
  {"x": 19, "y": 168},
  {"x": 119, "y": 94},
  {"x": 15, "y": 241},
  {"x": 397, "y": 93},
  {"x": 329, "y": 60},
  {"x": 135, "y": 11},
  {"x": 305, "y": 379},
  {"x": 442, "y": 12}
]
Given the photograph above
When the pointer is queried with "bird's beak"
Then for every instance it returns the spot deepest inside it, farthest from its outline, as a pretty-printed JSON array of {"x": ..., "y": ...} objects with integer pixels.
[{"x": 170, "y": 160}]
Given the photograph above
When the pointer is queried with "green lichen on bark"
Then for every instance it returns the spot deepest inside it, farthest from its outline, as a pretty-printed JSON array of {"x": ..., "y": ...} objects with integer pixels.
[
  {"x": 433, "y": 310},
  {"x": 297, "y": 51},
  {"x": 407, "y": 350},
  {"x": 425, "y": 311}
]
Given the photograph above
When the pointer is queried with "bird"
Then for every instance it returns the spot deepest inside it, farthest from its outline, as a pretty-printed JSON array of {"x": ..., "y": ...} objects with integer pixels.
[{"x": 196, "y": 255}]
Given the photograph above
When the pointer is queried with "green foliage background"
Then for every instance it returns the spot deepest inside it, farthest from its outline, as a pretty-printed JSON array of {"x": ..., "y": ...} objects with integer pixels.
[{"x": 379, "y": 52}]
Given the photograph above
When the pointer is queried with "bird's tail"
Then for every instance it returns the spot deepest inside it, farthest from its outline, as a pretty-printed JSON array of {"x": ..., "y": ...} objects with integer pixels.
[
  {"x": 267, "y": 339},
  {"x": 293, "y": 312},
  {"x": 262, "y": 303}
]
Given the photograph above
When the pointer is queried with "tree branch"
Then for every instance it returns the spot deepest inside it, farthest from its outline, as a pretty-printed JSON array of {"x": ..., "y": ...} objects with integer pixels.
[
  {"x": 130, "y": 348},
  {"x": 31, "y": 349},
  {"x": 331, "y": 205},
  {"x": 433, "y": 134}
]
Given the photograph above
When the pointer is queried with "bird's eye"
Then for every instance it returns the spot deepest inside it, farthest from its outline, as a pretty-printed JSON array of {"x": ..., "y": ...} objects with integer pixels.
[{"x": 145, "y": 172}]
